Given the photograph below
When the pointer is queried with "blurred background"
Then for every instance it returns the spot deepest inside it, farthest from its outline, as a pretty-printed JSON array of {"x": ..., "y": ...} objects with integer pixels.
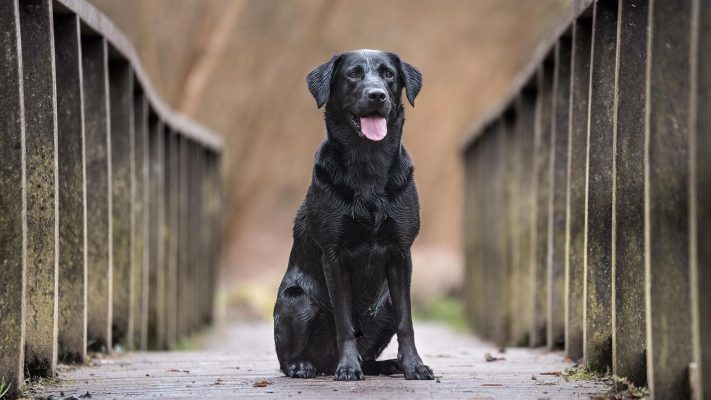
[{"x": 239, "y": 67}]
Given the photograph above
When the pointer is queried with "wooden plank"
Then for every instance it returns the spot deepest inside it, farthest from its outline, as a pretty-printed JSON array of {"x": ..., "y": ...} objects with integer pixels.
[
  {"x": 156, "y": 203},
  {"x": 170, "y": 238},
  {"x": 598, "y": 213},
  {"x": 239, "y": 356},
  {"x": 214, "y": 222},
  {"x": 122, "y": 146},
  {"x": 140, "y": 225},
  {"x": 98, "y": 192},
  {"x": 72, "y": 190},
  {"x": 577, "y": 161},
  {"x": 628, "y": 318},
  {"x": 667, "y": 196},
  {"x": 183, "y": 239},
  {"x": 701, "y": 193},
  {"x": 500, "y": 268},
  {"x": 510, "y": 157},
  {"x": 557, "y": 234},
  {"x": 525, "y": 218},
  {"x": 542, "y": 168},
  {"x": 472, "y": 221},
  {"x": 41, "y": 174},
  {"x": 12, "y": 200}
]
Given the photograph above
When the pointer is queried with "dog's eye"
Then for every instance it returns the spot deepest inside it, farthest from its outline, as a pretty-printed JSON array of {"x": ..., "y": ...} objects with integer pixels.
[
  {"x": 354, "y": 74},
  {"x": 388, "y": 74}
]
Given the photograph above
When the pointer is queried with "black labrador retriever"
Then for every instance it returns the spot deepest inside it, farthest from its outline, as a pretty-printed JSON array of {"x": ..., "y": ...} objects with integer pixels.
[{"x": 346, "y": 290}]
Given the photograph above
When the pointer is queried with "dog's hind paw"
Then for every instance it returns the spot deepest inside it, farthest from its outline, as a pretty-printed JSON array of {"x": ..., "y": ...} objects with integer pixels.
[
  {"x": 348, "y": 373},
  {"x": 300, "y": 369}
]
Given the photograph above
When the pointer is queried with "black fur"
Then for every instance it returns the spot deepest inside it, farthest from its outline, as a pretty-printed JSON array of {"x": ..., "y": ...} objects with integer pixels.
[{"x": 346, "y": 290}]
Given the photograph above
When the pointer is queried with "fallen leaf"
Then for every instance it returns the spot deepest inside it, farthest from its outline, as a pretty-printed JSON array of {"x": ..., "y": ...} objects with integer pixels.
[
  {"x": 489, "y": 358},
  {"x": 261, "y": 383}
]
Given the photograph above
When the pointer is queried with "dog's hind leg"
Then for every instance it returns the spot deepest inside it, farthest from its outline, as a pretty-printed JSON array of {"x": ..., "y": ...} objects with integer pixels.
[
  {"x": 294, "y": 314},
  {"x": 382, "y": 367}
]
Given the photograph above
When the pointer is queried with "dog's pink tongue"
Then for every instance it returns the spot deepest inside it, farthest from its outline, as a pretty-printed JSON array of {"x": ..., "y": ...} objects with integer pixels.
[{"x": 374, "y": 128}]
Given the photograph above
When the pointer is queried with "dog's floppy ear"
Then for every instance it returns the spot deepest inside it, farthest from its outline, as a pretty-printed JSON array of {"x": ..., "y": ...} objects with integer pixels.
[
  {"x": 319, "y": 80},
  {"x": 411, "y": 78}
]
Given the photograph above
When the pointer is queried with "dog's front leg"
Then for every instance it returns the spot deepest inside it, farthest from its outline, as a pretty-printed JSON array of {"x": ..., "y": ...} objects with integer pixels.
[
  {"x": 399, "y": 273},
  {"x": 339, "y": 290}
]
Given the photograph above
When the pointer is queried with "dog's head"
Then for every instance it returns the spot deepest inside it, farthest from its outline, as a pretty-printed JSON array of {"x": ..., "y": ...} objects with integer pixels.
[{"x": 365, "y": 86}]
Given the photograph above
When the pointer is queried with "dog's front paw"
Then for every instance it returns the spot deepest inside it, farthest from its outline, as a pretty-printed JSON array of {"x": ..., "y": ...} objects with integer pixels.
[
  {"x": 300, "y": 369},
  {"x": 416, "y": 370},
  {"x": 348, "y": 372}
]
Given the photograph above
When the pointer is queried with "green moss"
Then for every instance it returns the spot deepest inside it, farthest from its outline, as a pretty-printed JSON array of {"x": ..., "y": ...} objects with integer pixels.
[
  {"x": 623, "y": 386},
  {"x": 445, "y": 309},
  {"x": 4, "y": 387},
  {"x": 580, "y": 373}
]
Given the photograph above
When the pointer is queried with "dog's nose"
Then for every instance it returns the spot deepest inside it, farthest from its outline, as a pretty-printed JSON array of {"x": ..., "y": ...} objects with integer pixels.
[{"x": 376, "y": 95}]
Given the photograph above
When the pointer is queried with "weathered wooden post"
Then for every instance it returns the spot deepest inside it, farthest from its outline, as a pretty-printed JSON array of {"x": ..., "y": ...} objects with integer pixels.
[
  {"x": 628, "y": 317},
  {"x": 72, "y": 190},
  {"x": 12, "y": 195},
  {"x": 598, "y": 220},
  {"x": 667, "y": 195},
  {"x": 511, "y": 157},
  {"x": 542, "y": 168},
  {"x": 141, "y": 218},
  {"x": 577, "y": 170},
  {"x": 182, "y": 210},
  {"x": 156, "y": 249},
  {"x": 41, "y": 185},
  {"x": 98, "y": 191},
  {"x": 122, "y": 146},
  {"x": 559, "y": 189},
  {"x": 525, "y": 219},
  {"x": 701, "y": 189},
  {"x": 170, "y": 238}
]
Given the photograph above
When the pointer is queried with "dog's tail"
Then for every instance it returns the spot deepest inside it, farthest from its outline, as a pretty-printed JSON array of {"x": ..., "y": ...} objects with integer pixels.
[{"x": 383, "y": 367}]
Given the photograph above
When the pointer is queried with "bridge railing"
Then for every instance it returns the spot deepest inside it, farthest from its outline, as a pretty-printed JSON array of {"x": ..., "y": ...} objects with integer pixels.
[
  {"x": 109, "y": 200},
  {"x": 588, "y": 196}
]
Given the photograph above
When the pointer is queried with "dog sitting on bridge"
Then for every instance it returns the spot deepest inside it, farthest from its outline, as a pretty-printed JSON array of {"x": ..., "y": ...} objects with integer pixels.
[{"x": 346, "y": 290}]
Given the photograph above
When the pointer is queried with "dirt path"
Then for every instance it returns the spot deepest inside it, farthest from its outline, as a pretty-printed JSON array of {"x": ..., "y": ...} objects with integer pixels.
[{"x": 239, "y": 362}]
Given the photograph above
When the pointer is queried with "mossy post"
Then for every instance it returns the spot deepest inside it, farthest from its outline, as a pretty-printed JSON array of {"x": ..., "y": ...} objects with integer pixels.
[
  {"x": 559, "y": 182},
  {"x": 500, "y": 268},
  {"x": 577, "y": 158},
  {"x": 156, "y": 302},
  {"x": 182, "y": 238},
  {"x": 41, "y": 186},
  {"x": 194, "y": 247},
  {"x": 72, "y": 191},
  {"x": 542, "y": 168},
  {"x": 122, "y": 146},
  {"x": 513, "y": 193},
  {"x": 98, "y": 191},
  {"x": 524, "y": 222},
  {"x": 139, "y": 302},
  {"x": 171, "y": 217},
  {"x": 628, "y": 318},
  {"x": 12, "y": 192},
  {"x": 598, "y": 220},
  {"x": 701, "y": 173},
  {"x": 669, "y": 333}
]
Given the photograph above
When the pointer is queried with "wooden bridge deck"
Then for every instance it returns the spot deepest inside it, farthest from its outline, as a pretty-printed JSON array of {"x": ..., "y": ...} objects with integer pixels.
[{"x": 238, "y": 361}]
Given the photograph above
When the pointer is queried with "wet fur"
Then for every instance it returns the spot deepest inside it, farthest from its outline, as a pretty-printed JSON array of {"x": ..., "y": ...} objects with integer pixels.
[{"x": 352, "y": 239}]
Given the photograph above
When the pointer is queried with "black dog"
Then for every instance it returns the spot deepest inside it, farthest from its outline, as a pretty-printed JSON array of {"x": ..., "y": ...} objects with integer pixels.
[{"x": 346, "y": 290}]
